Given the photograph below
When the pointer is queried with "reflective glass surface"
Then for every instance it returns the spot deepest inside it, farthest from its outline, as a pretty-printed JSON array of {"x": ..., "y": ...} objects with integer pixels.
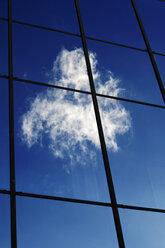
[
  {"x": 135, "y": 140},
  {"x": 160, "y": 60},
  {"x": 5, "y": 221},
  {"x": 114, "y": 21},
  {"x": 124, "y": 73},
  {"x": 55, "y": 14},
  {"x": 143, "y": 229},
  {"x": 46, "y": 223},
  {"x": 49, "y": 57},
  {"x": 4, "y": 135},
  {"x": 153, "y": 18},
  {"x": 3, "y": 48},
  {"x": 56, "y": 144},
  {"x": 4, "y": 8}
]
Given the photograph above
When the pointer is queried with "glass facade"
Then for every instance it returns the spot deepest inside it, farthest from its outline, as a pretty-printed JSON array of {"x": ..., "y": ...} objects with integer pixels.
[{"x": 82, "y": 139}]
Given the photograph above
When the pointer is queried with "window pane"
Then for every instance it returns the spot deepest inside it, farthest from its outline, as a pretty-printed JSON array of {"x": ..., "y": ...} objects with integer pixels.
[
  {"x": 49, "y": 57},
  {"x": 3, "y": 48},
  {"x": 56, "y": 14},
  {"x": 5, "y": 221},
  {"x": 45, "y": 223},
  {"x": 153, "y": 18},
  {"x": 56, "y": 144},
  {"x": 143, "y": 229},
  {"x": 160, "y": 60},
  {"x": 4, "y": 135},
  {"x": 111, "y": 20},
  {"x": 124, "y": 72},
  {"x": 135, "y": 139},
  {"x": 4, "y": 8}
]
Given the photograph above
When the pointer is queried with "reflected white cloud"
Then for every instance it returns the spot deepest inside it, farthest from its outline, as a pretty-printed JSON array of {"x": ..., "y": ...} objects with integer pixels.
[{"x": 67, "y": 118}]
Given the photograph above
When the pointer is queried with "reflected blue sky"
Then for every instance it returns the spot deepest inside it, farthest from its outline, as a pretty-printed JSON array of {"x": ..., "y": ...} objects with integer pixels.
[
  {"x": 112, "y": 21},
  {"x": 138, "y": 167},
  {"x": 135, "y": 138},
  {"x": 4, "y": 135},
  {"x": 153, "y": 18},
  {"x": 5, "y": 221},
  {"x": 64, "y": 224},
  {"x": 142, "y": 229},
  {"x": 4, "y": 8},
  {"x": 58, "y": 15},
  {"x": 3, "y": 48},
  {"x": 64, "y": 169}
]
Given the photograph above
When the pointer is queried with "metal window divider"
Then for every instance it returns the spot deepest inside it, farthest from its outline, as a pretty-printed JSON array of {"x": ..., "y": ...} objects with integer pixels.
[
  {"x": 152, "y": 59},
  {"x": 11, "y": 133},
  {"x": 101, "y": 134}
]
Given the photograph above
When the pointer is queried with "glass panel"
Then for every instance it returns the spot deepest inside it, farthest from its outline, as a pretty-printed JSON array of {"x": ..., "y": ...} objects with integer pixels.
[
  {"x": 57, "y": 146},
  {"x": 3, "y": 48},
  {"x": 4, "y": 8},
  {"x": 45, "y": 223},
  {"x": 135, "y": 139},
  {"x": 4, "y": 135},
  {"x": 143, "y": 229},
  {"x": 160, "y": 60},
  {"x": 5, "y": 221},
  {"x": 124, "y": 72},
  {"x": 153, "y": 18},
  {"x": 49, "y": 57},
  {"x": 111, "y": 20},
  {"x": 56, "y": 14}
]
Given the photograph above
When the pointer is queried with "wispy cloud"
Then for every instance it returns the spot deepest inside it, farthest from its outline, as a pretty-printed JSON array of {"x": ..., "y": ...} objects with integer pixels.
[{"x": 67, "y": 118}]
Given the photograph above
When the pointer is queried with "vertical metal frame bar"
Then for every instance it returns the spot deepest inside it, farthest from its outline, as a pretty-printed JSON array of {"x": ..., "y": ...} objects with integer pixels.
[
  {"x": 153, "y": 62},
  {"x": 11, "y": 132},
  {"x": 101, "y": 134}
]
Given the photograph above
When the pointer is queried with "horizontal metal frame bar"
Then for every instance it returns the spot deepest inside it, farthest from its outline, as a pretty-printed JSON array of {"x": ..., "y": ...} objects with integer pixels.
[
  {"x": 83, "y": 91},
  {"x": 3, "y": 19},
  {"x": 88, "y": 92},
  {"x": 2, "y": 191},
  {"x": 132, "y": 101},
  {"x": 55, "y": 198},
  {"x": 46, "y": 28},
  {"x": 156, "y": 210},
  {"x": 78, "y": 35},
  {"x": 88, "y": 202}
]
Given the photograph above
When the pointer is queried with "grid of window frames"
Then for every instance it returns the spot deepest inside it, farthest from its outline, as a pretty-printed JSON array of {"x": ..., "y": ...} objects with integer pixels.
[{"x": 82, "y": 136}]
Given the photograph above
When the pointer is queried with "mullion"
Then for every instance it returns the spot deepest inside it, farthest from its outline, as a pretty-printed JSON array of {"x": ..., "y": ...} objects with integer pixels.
[
  {"x": 152, "y": 59},
  {"x": 101, "y": 134},
  {"x": 11, "y": 133}
]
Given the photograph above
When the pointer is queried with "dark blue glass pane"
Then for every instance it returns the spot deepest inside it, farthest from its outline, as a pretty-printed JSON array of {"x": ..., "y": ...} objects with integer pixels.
[
  {"x": 4, "y": 135},
  {"x": 46, "y": 223},
  {"x": 160, "y": 60},
  {"x": 143, "y": 229},
  {"x": 55, "y": 14},
  {"x": 114, "y": 21},
  {"x": 153, "y": 18},
  {"x": 4, "y": 8},
  {"x": 135, "y": 140},
  {"x": 124, "y": 73},
  {"x": 49, "y": 57},
  {"x": 5, "y": 221},
  {"x": 3, "y": 48},
  {"x": 56, "y": 144}
]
